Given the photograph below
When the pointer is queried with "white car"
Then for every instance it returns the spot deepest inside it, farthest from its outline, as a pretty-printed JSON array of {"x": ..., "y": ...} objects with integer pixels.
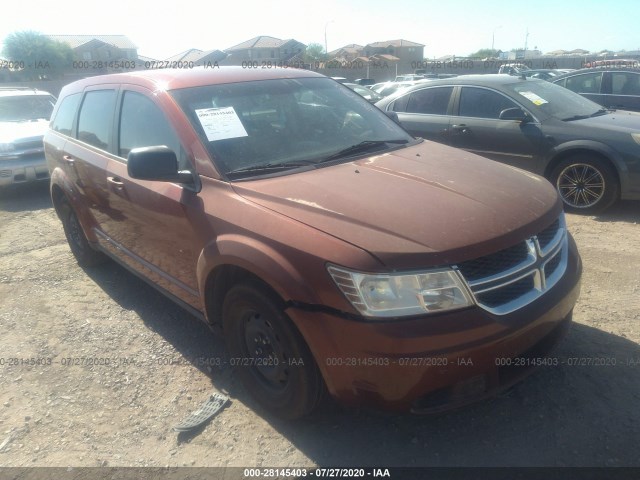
[{"x": 24, "y": 118}]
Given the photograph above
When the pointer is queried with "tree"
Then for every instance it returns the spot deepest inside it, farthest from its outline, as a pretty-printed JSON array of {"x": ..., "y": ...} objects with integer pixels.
[
  {"x": 485, "y": 53},
  {"x": 38, "y": 56},
  {"x": 314, "y": 53}
]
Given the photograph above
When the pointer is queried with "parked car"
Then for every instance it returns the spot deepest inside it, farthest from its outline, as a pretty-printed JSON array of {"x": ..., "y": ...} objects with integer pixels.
[
  {"x": 365, "y": 82},
  {"x": 333, "y": 250},
  {"x": 24, "y": 117},
  {"x": 366, "y": 93},
  {"x": 590, "y": 154},
  {"x": 512, "y": 68},
  {"x": 410, "y": 77},
  {"x": 541, "y": 73},
  {"x": 612, "y": 88}
]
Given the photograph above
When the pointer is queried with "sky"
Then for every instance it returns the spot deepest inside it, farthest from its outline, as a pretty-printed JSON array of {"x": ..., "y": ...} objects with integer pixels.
[{"x": 460, "y": 27}]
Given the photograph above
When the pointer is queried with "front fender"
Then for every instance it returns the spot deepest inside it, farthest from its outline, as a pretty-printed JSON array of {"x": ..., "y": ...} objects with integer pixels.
[
  {"x": 261, "y": 260},
  {"x": 598, "y": 147}
]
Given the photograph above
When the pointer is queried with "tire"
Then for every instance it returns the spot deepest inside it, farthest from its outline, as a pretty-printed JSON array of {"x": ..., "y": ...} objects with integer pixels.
[
  {"x": 85, "y": 254},
  {"x": 274, "y": 362},
  {"x": 586, "y": 183}
]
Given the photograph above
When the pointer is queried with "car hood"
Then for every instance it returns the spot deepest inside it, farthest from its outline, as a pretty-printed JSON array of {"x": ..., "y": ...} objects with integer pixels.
[
  {"x": 22, "y": 131},
  {"x": 424, "y": 205},
  {"x": 620, "y": 120}
]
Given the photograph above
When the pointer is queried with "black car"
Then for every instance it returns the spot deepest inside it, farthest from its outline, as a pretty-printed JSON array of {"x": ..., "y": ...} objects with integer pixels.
[
  {"x": 617, "y": 88},
  {"x": 591, "y": 154}
]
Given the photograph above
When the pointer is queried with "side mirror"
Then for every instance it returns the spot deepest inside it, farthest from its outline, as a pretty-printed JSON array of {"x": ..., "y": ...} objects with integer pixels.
[
  {"x": 393, "y": 116},
  {"x": 514, "y": 114},
  {"x": 156, "y": 163}
]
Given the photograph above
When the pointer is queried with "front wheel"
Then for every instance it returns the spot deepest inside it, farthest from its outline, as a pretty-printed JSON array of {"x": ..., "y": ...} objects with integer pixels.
[
  {"x": 272, "y": 359},
  {"x": 586, "y": 184}
]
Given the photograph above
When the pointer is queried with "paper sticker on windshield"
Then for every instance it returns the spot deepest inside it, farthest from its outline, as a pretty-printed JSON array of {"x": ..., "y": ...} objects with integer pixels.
[
  {"x": 221, "y": 123},
  {"x": 535, "y": 99}
]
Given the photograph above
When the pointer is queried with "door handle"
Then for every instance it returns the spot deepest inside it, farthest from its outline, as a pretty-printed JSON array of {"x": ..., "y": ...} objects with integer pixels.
[
  {"x": 462, "y": 128},
  {"x": 116, "y": 182},
  {"x": 68, "y": 160}
]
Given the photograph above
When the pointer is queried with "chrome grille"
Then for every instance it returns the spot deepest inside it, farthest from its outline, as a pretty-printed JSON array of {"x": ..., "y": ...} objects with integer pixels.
[{"x": 507, "y": 280}]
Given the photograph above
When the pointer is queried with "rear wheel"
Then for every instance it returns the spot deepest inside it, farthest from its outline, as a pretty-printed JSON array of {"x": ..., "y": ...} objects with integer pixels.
[
  {"x": 272, "y": 359},
  {"x": 85, "y": 254},
  {"x": 586, "y": 183}
]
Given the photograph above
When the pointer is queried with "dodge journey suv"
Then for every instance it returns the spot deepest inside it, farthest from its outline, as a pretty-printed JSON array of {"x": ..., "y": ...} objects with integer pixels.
[{"x": 335, "y": 252}]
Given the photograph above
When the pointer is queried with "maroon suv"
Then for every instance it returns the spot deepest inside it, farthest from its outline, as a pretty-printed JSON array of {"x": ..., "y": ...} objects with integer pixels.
[{"x": 333, "y": 250}]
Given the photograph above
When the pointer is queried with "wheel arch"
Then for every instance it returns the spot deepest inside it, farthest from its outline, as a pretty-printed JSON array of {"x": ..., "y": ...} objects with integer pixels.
[
  {"x": 234, "y": 259},
  {"x": 596, "y": 149}
]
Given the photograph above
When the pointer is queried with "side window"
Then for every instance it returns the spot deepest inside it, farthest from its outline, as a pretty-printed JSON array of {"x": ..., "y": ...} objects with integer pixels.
[
  {"x": 63, "y": 123},
  {"x": 483, "y": 103},
  {"x": 623, "y": 83},
  {"x": 586, "y": 83},
  {"x": 400, "y": 105},
  {"x": 94, "y": 123},
  {"x": 142, "y": 124},
  {"x": 434, "y": 101}
]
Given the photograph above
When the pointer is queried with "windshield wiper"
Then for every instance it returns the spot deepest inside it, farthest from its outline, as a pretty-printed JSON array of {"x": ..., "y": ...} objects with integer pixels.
[
  {"x": 575, "y": 117},
  {"x": 269, "y": 167},
  {"x": 602, "y": 111},
  {"x": 361, "y": 147}
]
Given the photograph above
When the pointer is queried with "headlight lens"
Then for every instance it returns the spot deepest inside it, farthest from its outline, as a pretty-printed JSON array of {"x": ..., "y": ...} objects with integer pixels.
[
  {"x": 396, "y": 295},
  {"x": 636, "y": 137}
]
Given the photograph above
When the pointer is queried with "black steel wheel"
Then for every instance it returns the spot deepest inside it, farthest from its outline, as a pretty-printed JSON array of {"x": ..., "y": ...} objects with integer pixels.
[
  {"x": 85, "y": 254},
  {"x": 270, "y": 355},
  {"x": 586, "y": 184}
]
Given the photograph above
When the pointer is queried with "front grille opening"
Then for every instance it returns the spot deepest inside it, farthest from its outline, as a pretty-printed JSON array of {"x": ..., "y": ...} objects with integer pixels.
[
  {"x": 552, "y": 265},
  {"x": 506, "y": 293},
  {"x": 545, "y": 236},
  {"x": 495, "y": 263}
]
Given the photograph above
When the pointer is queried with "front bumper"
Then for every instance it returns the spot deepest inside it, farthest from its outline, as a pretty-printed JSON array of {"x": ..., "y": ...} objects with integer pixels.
[
  {"x": 22, "y": 170},
  {"x": 435, "y": 363}
]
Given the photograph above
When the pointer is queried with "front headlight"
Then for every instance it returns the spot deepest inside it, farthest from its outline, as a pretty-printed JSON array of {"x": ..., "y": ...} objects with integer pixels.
[{"x": 401, "y": 294}]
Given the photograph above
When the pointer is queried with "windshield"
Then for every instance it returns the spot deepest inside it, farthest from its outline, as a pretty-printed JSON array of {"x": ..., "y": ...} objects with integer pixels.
[
  {"x": 26, "y": 107},
  {"x": 285, "y": 122},
  {"x": 552, "y": 100}
]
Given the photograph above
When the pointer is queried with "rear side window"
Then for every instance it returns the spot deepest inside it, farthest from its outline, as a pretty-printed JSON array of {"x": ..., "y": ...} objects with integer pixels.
[
  {"x": 483, "y": 103},
  {"x": 96, "y": 118},
  {"x": 63, "y": 122},
  {"x": 433, "y": 101},
  {"x": 586, "y": 83},
  {"x": 142, "y": 124}
]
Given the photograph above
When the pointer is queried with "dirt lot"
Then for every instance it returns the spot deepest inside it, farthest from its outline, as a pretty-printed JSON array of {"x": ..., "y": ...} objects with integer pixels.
[{"x": 122, "y": 414}]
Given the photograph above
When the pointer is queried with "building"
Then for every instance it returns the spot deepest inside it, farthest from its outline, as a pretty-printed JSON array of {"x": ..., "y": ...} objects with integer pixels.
[
  {"x": 265, "y": 49},
  {"x": 99, "y": 48}
]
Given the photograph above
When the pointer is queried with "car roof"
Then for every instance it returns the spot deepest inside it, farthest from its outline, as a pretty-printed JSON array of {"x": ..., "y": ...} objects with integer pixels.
[
  {"x": 21, "y": 91},
  {"x": 596, "y": 69},
  {"x": 171, "y": 79},
  {"x": 488, "y": 80}
]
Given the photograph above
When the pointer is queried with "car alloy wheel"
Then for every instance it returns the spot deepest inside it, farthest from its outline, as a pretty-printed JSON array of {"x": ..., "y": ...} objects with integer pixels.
[{"x": 586, "y": 183}]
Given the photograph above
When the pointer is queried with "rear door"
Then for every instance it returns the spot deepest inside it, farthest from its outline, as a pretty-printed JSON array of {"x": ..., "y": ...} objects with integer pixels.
[
  {"x": 478, "y": 129},
  {"x": 426, "y": 112},
  {"x": 87, "y": 155}
]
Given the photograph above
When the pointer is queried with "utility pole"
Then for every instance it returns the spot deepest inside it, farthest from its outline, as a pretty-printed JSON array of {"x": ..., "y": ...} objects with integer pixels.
[{"x": 526, "y": 39}]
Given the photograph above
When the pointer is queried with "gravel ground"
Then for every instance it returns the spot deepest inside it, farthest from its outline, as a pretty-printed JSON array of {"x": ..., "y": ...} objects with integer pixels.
[{"x": 159, "y": 370}]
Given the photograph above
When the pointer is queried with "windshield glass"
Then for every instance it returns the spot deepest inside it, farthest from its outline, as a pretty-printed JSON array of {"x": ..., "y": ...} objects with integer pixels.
[
  {"x": 296, "y": 122},
  {"x": 552, "y": 100},
  {"x": 26, "y": 107}
]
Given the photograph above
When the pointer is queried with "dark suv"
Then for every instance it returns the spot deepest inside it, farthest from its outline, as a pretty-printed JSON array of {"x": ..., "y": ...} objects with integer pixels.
[
  {"x": 334, "y": 251},
  {"x": 24, "y": 117}
]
